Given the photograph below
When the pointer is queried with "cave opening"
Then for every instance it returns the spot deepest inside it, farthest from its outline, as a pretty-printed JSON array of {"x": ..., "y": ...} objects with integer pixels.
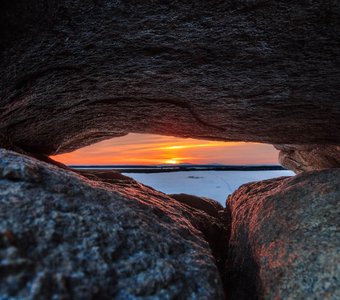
[{"x": 173, "y": 165}]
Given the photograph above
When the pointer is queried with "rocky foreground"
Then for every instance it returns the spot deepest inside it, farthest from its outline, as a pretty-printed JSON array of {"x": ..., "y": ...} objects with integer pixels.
[
  {"x": 67, "y": 237},
  {"x": 99, "y": 235},
  {"x": 75, "y": 72}
]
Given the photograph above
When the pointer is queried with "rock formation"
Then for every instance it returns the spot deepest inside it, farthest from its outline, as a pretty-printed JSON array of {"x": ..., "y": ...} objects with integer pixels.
[
  {"x": 76, "y": 72},
  {"x": 300, "y": 158},
  {"x": 65, "y": 236},
  {"x": 285, "y": 241}
]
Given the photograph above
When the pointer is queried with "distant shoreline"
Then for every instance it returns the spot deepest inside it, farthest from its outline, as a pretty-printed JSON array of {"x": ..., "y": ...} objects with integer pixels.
[{"x": 177, "y": 168}]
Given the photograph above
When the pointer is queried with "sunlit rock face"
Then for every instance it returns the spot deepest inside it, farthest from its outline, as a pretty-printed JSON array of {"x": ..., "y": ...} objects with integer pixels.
[
  {"x": 63, "y": 236},
  {"x": 285, "y": 241},
  {"x": 300, "y": 158},
  {"x": 76, "y": 72}
]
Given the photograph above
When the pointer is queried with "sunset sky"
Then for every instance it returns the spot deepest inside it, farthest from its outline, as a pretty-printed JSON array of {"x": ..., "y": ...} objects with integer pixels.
[{"x": 146, "y": 149}]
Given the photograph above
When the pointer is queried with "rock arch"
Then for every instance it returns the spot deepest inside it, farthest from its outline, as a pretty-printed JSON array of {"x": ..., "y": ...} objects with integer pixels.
[{"x": 261, "y": 71}]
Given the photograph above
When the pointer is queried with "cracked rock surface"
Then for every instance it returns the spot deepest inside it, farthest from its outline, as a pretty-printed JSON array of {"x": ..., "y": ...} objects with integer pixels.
[{"x": 63, "y": 236}]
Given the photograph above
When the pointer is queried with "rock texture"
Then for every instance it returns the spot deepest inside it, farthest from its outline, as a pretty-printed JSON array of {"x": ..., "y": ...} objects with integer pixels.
[
  {"x": 217, "y": 232},
  {"x": 76, "y": 72},
  {"x": 214, "y": 227},
  {"x": 209, "y": 206},
  {"x": 300, "y": 158},
  {"x": 285, "y": 241},
  {"x": 63, "y": 236}
]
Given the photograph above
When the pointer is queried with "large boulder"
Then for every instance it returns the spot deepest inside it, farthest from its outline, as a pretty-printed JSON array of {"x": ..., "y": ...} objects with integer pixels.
[
  {"x": 285, "y": 241},
  {"x": 76, "y": 72},
  {"x": 63, "y": 236},
  {"x": 213, "y": 227}
]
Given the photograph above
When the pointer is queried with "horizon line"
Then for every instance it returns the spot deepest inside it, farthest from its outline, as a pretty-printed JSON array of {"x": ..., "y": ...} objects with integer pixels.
[{"x": 170, "y": 165}]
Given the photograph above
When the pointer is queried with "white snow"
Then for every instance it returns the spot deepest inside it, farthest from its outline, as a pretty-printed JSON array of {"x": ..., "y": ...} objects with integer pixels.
[{"x": 216, "y": 185}]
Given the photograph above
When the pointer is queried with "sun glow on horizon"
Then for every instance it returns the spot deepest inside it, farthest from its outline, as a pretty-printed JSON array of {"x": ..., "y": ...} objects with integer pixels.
[
  {"x": 172, "y": 161},
  {"x": 147, "y": 149}
]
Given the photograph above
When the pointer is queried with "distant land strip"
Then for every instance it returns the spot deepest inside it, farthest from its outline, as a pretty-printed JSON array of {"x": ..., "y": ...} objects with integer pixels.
[{"x": 177, "y": 168}]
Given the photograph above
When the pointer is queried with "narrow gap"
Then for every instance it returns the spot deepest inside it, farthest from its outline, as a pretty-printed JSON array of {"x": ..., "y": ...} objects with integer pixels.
[
  {"x": 176, "y": 165},
  {"x": 198, "y": 173}
]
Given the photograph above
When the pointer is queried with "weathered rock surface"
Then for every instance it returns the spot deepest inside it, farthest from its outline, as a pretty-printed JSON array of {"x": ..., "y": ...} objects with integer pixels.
[
  {"x": 285, "y": 241},
  {"x": 300, "y": 158},
  {"x": 63, "y": 236},
  {"x": 213, "y": 228},
  {"x": 209, "y": 206},
  {"x": 76, "y": 72},
  {"x": 217, "y": 232}
]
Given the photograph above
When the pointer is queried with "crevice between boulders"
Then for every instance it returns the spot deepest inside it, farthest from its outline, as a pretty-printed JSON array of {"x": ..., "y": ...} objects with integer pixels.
[
  {"x": 206, "y": 215},
  {"x": 216, "y": 233},
  {"x": 215, "y": 228}
]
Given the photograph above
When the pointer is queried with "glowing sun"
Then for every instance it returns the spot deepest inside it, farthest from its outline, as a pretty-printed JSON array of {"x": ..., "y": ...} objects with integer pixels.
[{"x": 172, "y": 161}]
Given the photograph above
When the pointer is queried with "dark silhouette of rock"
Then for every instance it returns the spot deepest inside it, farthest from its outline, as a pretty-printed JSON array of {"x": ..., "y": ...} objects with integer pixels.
[
  {"x": 63, "y": 236},
  {"x": 285, "y": 241},
  {"x": 76, "y": 72},
  {"x": 300, "y": 158}
]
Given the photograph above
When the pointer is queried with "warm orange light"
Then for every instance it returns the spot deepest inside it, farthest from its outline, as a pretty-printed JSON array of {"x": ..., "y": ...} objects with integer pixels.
[
  {"x": 193, "y": 145},
  {"x": 172, "y": 161},
  {"x": 145, "y": 149}
]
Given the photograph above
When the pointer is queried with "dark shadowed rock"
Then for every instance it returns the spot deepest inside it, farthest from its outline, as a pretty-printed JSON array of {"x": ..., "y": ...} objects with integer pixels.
[
  {"x": 285, "y": 241},
  {"x": 300, "y": 158},
  {"x": 63, "y": 236},
  {"x": 76, "y": 72},
  {"x": 217, "y": 231}
]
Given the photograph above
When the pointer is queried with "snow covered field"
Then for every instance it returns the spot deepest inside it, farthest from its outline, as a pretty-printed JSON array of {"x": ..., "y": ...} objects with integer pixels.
[{"x": 212, "y": 184}]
